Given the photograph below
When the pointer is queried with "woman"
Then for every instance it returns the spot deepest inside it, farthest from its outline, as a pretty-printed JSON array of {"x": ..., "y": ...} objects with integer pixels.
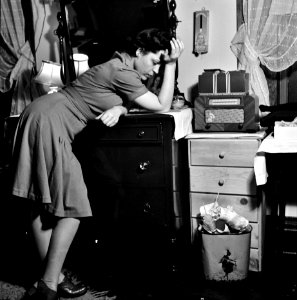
[{"x": 46, "y": 170}]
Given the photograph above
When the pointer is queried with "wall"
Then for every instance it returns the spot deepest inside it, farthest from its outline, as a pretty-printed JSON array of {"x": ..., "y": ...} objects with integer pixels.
[{"x": 222, "y": 28}]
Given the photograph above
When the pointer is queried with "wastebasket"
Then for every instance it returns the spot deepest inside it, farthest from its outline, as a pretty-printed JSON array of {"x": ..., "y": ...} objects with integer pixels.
[{"x": 225, "y": 257}]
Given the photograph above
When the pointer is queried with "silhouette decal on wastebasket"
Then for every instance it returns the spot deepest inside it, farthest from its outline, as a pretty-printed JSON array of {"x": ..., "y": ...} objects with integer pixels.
[
  {"x": 228, "y": 264},
  {"x": 225, "y": 242}
]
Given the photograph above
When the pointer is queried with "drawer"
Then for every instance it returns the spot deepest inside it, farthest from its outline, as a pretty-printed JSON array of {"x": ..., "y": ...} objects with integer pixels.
[
  {"x": 245, "y": 206},
  {"x": 133, "y": 164},
  {"x": 140, "y": 204},
  {"x": 144, "y": 167},
  {"x": 223, "y": 180},
  {"x": 231, "y": 152},
  {"x": 134, "y": 133}
]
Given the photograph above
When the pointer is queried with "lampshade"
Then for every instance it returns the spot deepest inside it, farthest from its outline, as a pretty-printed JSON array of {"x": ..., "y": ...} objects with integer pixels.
[
  {"x": 80, "y": 63},
  {"x": 49, "y": 75}
]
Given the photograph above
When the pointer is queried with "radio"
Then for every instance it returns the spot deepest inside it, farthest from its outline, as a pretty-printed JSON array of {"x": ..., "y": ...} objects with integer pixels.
[{"x": 226, "y": 113}]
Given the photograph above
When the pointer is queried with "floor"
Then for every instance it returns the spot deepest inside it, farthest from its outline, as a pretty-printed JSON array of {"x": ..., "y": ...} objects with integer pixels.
[
  {"x": 147, "y": 281},
  {"x": 141, "y": 275}
]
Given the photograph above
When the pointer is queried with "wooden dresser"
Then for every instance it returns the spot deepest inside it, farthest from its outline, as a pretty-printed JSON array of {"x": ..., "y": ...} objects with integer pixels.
[
  {"x": 131, "y": 175},
  {"x": 225, "y": 166}
]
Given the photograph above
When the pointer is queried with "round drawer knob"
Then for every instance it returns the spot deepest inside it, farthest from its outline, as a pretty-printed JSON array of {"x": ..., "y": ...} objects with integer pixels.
[
  {"x": 146, "y": 208},
  {"x": 143, "y": 166},
  {"x": 140, "y": 134},
  {"x": 222, "y": 155},
  {"x": 244, "y": 201},
  {"x": 221, "y": 182}
]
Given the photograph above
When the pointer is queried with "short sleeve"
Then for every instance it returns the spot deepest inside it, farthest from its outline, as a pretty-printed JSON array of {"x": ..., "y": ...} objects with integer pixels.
[{"x": 128, "y": 84}]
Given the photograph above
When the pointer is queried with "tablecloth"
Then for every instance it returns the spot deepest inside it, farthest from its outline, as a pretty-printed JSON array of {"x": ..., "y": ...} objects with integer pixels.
[{"x": 270, "y": 145}]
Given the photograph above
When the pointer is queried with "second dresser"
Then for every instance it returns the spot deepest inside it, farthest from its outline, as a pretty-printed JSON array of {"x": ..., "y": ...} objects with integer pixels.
[{"x": 225, "y": 166}]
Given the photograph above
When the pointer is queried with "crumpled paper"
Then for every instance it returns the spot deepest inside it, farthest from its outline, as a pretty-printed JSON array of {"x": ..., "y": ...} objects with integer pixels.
[{"x": 216, "y": 219}]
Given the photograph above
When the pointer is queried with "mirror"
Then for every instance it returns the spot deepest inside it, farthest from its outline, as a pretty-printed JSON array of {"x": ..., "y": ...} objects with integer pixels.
[{"x": 98, "y": 27}]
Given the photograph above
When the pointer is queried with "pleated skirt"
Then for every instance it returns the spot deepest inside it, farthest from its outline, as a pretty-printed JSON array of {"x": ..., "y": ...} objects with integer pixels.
[{"x": 44, "y": 166}]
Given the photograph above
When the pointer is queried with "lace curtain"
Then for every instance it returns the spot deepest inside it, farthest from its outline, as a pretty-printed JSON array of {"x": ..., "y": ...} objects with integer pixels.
[
  {"x": 16, "y": 58},
  {"x": 268, "y": 36}
]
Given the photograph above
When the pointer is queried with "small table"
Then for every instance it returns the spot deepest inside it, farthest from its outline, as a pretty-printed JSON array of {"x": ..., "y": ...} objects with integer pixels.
[{"x": 275, "y": 169}]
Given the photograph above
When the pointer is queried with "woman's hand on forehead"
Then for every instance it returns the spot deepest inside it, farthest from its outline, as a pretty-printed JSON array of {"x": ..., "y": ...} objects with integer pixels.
[{"x": 177, "y": 47}]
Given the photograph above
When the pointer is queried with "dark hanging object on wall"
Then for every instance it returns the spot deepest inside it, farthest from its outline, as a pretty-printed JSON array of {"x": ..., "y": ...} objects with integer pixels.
[
  {"x": 66, "y": 54},
  {"x": 173, "y": 21}
]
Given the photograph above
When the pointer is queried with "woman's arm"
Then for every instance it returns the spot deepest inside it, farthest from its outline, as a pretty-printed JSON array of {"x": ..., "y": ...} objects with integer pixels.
[
  {"x": 111, "y": 116},
  {"x": 162, "y": 102}
]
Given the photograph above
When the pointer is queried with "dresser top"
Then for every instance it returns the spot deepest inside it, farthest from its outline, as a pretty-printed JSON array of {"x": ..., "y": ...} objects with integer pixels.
[{"x": 226, "y": 135}]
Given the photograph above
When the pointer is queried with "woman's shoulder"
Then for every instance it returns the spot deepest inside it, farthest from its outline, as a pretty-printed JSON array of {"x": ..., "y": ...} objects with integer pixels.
[
  {"x": 117, "y": 62},
  {"x": 118, "y": 69},
  {"x": 121, "y": 63}
]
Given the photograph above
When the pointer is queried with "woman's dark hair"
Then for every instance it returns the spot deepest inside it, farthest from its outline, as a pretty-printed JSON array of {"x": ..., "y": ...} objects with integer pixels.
[{"x": 149, "y": 40}]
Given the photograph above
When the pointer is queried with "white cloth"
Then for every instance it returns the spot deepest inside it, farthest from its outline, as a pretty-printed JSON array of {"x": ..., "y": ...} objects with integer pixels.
[
  {"x": 183, "y": 122},
  {"x": 270, "y": 145}
]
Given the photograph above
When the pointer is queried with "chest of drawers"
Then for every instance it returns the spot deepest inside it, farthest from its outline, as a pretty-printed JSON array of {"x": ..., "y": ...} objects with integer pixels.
[
  {"x": 224, "y": 166},
  {"x": 129, "y": 172},
  {"x": 131, "y": 165}
]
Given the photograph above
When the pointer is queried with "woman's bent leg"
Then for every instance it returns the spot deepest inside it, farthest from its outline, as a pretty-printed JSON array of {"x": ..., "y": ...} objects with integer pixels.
[{"x": 42, "y": 237}]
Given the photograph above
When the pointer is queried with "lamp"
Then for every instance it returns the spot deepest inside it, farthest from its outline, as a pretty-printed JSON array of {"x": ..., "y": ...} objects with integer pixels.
[
  {"x": 80, "y": 63},
  {"x": 49, "y": 76}
]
